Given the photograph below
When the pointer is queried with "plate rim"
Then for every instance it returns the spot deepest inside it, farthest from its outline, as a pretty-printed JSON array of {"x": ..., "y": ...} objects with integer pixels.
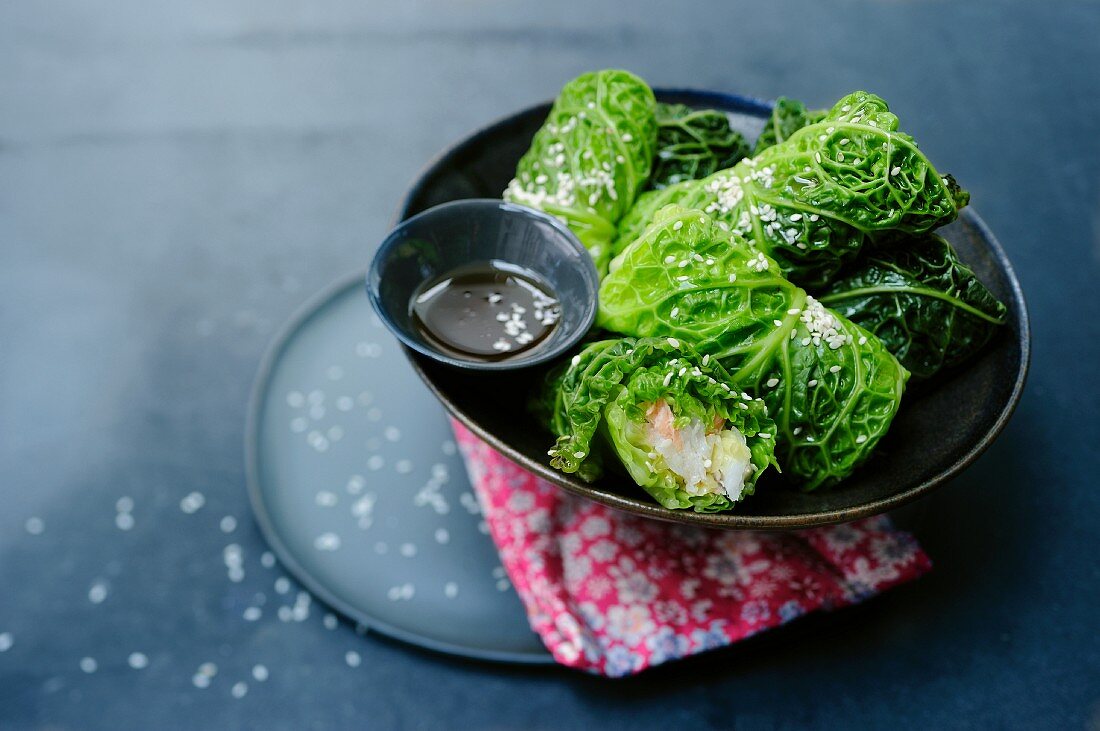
[
  {"x": 253, "y": 419},
  {"x": 735, "y": 521}
]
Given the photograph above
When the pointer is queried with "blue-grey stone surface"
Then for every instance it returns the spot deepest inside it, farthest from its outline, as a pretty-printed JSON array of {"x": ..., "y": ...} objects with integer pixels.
[{"x": 177, "y": 178}]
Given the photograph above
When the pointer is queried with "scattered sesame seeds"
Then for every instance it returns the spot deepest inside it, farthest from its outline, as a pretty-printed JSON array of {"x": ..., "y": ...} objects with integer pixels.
[
  {"x": 442, "y": 536},
  {"x": 677, "y": 226},
  {"x": 259, "y": 672},
  {"x": 796, "y": 431},
  {"x": 88, "y": 665},
  {"x": 228, "y": 524},
  {"x": 353, "y": 659},
  {"x": 327, "y": 542},
  {"x": 896, "y": 170},
  {"x": 97, "y": 594},
  {"x": 138, "y": 660},
  {"x": 862, "y": 339},
  {"x": 706, "y": 359},
  {"x": 251, "y": 614},
  {"x": 192, "y": 502},
  {"x": 777, "y": 323},
  {"x": 282, "y": 585},
  {"x": 834, "y": 369},
  {"x": 669, "y": 259},
  {"x": 668, "y": 378},
  {"x": 675, "y": 312},
  {"x": 812, "y": 382},
  {"x": 124, "y": 521},
  {"x": 239, "y": 689},
  {"x": 861, "y": 439},
  {"x": 682, "y": 278},
  {"x": 772, "y": 382}
]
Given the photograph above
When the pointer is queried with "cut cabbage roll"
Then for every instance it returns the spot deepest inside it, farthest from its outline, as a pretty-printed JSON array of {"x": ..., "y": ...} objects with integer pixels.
[
  {"x": 831, "y": 387},
  {"x": 811, "y": 201},
  {"x": 670, "y": 416},
  {"x": 926, "y": 305},
  {"x": 591, "y": 157}
]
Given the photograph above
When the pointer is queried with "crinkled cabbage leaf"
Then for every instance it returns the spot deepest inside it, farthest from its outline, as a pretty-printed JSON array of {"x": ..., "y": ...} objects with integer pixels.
[
  {"x": 591, "y": 157},
  {"x": 616, "y": 393},
  {"x": 811, "y": 201},
  {"x": 692, "y": 144},
  {"x": 927, "y": 306},
  {"x": 831, "y": 387},
  {"x": 787, "y": 117}
]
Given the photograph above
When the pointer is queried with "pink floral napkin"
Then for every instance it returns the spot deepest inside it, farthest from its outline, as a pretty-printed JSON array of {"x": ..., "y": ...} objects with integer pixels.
[{"x": 613, "y": 593}]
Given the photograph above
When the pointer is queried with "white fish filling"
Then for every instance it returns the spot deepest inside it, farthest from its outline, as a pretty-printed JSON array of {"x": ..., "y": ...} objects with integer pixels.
[{"x": 706, "y": 463}]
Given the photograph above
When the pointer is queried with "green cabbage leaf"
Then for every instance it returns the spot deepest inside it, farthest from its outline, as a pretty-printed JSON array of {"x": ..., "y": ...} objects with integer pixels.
[
  {"x": 787, "y": 117},
  {"x": 692, "y": 144},
  {"x": 591, "y": 157},
  {"x": 928, "y": 308}
]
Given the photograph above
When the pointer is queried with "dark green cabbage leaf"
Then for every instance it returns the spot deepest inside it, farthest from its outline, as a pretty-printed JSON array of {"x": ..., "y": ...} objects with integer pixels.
[
  {"x": 591, "y": 157},
  {"x": 787, "y": 117},
  {"x": 811, "y": 201},
  {"x": 620, "y": 394},
  {"x": 831, "y": 387},
  {"x": 692, "y": 144},
  {"x": 927, "y": 306}
]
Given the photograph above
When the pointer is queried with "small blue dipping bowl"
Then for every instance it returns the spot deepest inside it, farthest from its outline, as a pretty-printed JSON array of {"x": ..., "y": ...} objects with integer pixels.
[{"x": 462, "y": 232}]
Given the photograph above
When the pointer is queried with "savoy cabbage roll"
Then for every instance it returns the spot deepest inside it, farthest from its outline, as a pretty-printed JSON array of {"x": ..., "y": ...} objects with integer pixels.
[
  {"x": 811, "y": 201},
  {"x": 927, "y": 306},
  {"x": 831, "y": 387},
  {"x": 591, "y": 157},
  {"x": 787, "y": 117},
  {"x": 692, "y": 144},
  {"x": 667, "y": 414}
]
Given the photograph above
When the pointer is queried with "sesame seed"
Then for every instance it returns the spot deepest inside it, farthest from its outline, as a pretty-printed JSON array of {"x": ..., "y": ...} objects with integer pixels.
[
  {"x": 778, "y": 323},
  {"x": 812, "y": 382},
  {"x": 677, "y": 226},
  {"x": 861, "y": 439},
  {"x": 668, "y": 378},
  {"x": 772, "y": 382},
  {"x": 862, "y": 339},
  {"x": 834, "y": 369},
  {"x": 706, "y": 358},
  {"x": 578, "y": 455},
  {"x": 674, "y": 342},
  {"x": 675, "y": 312}
]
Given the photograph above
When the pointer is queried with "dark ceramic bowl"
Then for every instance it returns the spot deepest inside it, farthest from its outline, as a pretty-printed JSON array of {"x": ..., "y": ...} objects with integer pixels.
[
  {"x": 941, "y": 428},
  {"x": 436, "y": 241}
]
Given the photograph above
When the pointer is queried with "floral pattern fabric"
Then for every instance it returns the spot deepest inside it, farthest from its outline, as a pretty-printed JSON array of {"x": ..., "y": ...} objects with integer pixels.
[{"x": 613, "y": 593}]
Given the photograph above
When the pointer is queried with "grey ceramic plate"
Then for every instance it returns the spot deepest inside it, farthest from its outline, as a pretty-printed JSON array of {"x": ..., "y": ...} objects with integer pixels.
[
  {"x": 357, "y": 485},
  {"x": 941, "y": 428}
]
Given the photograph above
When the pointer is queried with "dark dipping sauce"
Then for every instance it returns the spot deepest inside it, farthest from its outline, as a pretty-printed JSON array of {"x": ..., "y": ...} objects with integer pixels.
[{"x": 486, "y": 311}]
